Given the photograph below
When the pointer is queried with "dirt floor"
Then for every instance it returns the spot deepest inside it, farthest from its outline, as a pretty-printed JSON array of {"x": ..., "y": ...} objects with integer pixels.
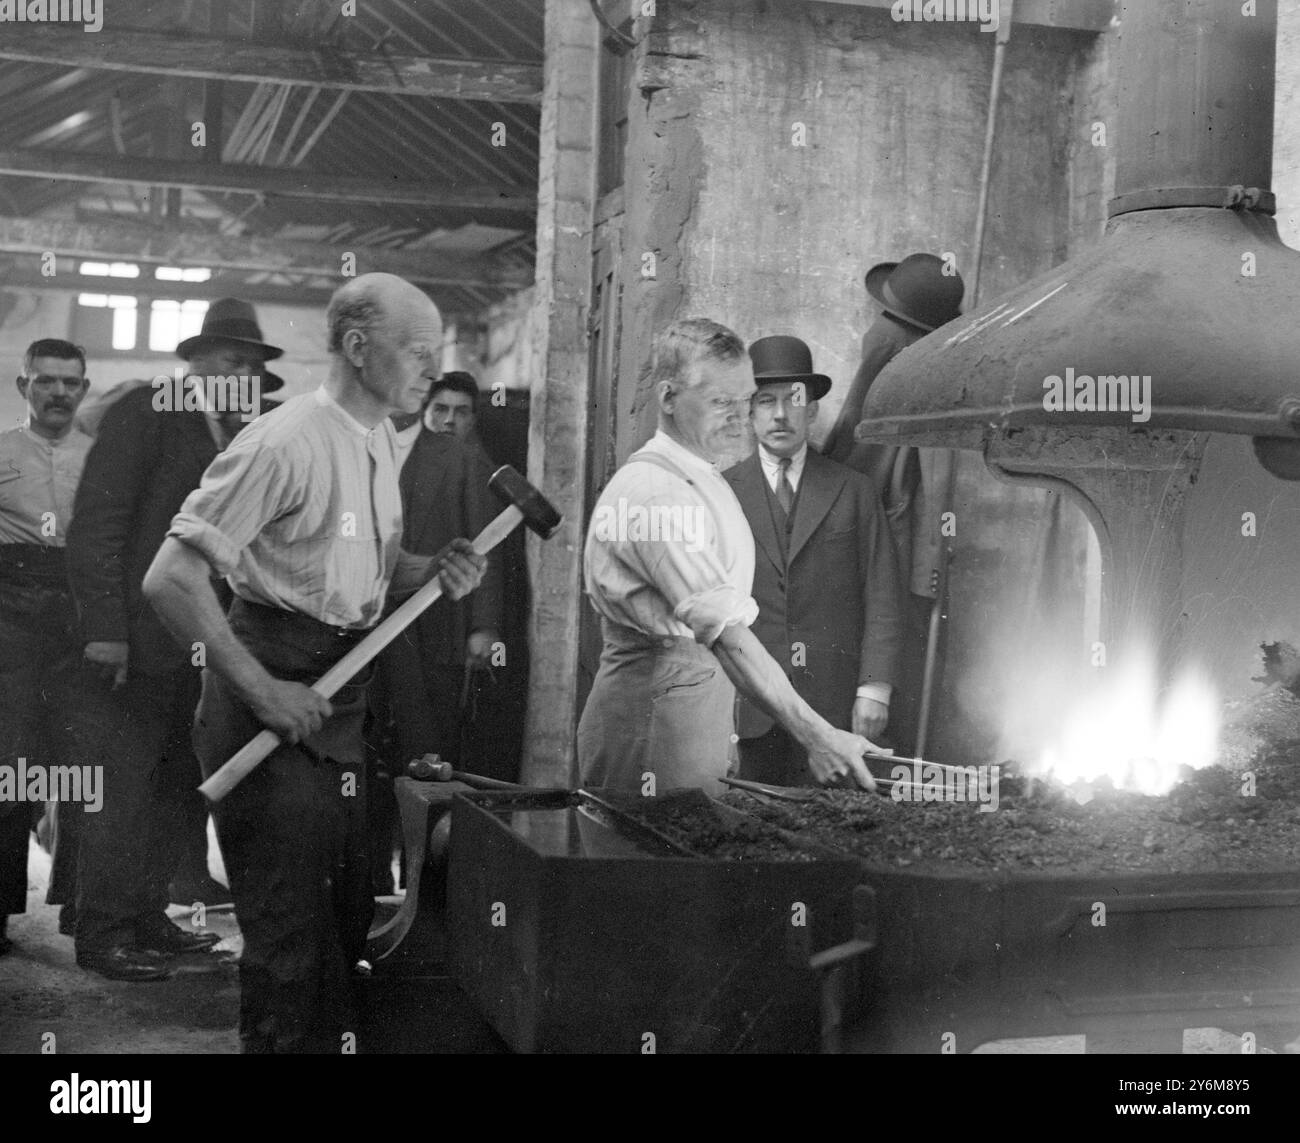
[
  {"x": 409, "y": 1005},
  {"x": 43, "y": 992}
]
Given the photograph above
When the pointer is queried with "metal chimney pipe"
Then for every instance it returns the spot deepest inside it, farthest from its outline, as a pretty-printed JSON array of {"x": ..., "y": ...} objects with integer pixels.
[{"x": 1196, "y": 84}]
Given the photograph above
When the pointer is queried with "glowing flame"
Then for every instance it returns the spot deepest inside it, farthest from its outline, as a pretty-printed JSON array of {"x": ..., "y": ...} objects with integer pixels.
[{"x": 1125, "y": 732}]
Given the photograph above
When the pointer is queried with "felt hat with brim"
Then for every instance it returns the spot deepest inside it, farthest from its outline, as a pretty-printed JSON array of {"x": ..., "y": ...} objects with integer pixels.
[
  {"x": 782, "y": 358},
  {"x": 229, "y": 319},
  {"x": 916, "y": 290}
]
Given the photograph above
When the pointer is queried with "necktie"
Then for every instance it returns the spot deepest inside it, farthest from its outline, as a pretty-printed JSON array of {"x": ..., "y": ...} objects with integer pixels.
[{"x": 784, "y": 489}]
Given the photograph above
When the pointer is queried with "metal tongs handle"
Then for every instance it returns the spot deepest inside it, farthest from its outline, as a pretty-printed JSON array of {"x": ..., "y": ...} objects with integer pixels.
[{"x": 873, "y": 757}]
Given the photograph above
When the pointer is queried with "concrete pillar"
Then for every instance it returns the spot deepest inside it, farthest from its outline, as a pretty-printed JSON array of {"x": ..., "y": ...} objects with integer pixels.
[{"x": 557, "y": 455}]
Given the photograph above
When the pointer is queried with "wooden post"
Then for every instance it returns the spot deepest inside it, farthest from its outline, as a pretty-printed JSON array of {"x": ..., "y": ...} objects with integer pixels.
[{"x": 557, "y": 460}]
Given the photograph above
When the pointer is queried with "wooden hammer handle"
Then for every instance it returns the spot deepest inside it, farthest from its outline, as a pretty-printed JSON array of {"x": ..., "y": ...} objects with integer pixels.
[{"x": 255, "y": 751}]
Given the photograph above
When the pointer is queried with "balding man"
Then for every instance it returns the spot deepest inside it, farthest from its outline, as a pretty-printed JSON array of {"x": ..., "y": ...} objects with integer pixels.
[
  {"x": 302, "y": 515},
  {"x": 669, "y": 566}
]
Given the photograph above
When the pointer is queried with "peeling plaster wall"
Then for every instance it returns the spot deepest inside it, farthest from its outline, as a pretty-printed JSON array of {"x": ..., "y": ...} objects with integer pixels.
[{"x": 771, "y": 237}]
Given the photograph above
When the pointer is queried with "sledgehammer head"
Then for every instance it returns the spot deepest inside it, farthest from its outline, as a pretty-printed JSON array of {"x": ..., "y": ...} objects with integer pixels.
[{"x": 537, "y": 511}]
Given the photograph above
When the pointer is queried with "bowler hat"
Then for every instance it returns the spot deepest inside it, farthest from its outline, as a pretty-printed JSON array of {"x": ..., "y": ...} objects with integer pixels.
[
  {"x": 781, "y": 358},
  {"x": 916, "y": 290},
  {"x": 229, "y": 319}
]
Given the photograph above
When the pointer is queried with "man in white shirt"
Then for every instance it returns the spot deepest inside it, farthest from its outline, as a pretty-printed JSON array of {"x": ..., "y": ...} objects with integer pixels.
[
  {"x": 302, "y": 516},
  {"x": 669, "y": 566}
]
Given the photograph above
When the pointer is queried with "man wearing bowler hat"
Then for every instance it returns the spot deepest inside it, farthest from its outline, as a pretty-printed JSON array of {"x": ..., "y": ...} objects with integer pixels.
[
  {"x": 916, "y": 296},
  {"x": 826, "y": 575},
  {"x": 139, "y": 686}
]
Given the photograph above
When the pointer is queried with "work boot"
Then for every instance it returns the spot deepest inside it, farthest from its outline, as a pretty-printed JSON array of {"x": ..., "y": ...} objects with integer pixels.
[
  {"x": 5, "y": 943},
  {"x": 157, "y": 935},
  {"x": 122, "y": 962},
  {"x": 68, "y": 919}
]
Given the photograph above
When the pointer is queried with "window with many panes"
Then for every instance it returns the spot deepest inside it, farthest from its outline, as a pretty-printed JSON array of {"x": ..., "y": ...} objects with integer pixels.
[{"x": 110, "y": 322}]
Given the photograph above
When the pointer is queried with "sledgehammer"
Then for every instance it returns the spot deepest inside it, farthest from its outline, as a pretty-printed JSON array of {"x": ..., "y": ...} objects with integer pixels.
[{"x": 526, "y": 505}]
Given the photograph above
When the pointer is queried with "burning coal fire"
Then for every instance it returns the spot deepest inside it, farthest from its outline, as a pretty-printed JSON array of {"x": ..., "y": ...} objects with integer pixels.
[{"x": 1128, "y": 735}]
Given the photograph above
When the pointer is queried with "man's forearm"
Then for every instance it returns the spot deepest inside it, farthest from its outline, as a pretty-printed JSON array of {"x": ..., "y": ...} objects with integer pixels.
[
  {"x": 760, "y": 679},
  {"x": 179, "y": 587}
]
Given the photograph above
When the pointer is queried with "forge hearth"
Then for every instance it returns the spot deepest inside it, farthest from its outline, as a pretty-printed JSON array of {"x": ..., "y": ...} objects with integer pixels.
[
  {"x": 1204, "y": 825},
  {"x": 608, "y": 933}
]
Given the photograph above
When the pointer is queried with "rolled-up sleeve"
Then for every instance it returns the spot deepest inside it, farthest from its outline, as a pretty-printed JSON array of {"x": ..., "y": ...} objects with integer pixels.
[
  {"x": 242, "y": 491},
  {"x": 690, "y": 576}
]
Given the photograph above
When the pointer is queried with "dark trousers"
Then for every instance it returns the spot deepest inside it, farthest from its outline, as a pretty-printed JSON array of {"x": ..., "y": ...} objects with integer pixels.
[
  {"x": 775, "y": 758},
  {"x": 293, "y": 834},
  {"x": 905, "y": 707},
  {"x": 65, "y": 834},
  {"x": 38, "y": 653},
  {"x": 140, "y": 734}
]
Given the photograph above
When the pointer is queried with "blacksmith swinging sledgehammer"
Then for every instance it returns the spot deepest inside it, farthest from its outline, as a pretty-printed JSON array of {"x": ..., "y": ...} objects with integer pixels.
[{"x": 526, "y": 505}]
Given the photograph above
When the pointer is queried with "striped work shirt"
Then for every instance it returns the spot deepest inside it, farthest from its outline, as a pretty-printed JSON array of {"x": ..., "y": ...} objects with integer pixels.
[{"x": 303, "y": 512}]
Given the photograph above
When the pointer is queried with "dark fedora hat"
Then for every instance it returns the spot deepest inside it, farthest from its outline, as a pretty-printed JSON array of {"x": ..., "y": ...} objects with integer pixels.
[
  {"x": 916, "y": 290},
  {"x": 782, "y": 358},
  {"x": 229, "y": 319}
]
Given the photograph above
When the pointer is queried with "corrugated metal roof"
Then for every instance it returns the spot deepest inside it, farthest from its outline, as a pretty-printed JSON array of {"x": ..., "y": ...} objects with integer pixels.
[{"x": 326, "y": 132}]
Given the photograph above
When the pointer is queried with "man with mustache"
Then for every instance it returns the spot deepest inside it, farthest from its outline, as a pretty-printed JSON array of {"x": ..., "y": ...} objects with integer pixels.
[
  {"x": 826, "y": 580},
  {"x": 40, "y": 465},
  {"x": 675, "y": 598}
]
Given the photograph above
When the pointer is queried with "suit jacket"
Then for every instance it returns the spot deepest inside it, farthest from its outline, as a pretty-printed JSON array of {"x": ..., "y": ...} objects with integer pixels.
[
  {"x": 911, "y": 480},
  {"x": 837, "y": 594},
  {"x": 142, "y": 466},
  {"x": 445, "y": 495}
]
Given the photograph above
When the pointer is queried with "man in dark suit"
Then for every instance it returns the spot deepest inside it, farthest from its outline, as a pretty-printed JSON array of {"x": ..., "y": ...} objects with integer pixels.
[
  {"x": 444, "y": 495},
  {"x": 424, "y": 677},
  {"x": 826, "y": 575},
  {"x": 139, "y": 687}
]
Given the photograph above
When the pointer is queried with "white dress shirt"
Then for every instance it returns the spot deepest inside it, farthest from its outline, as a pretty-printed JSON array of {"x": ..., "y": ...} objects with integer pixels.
[{"x": 772, "y": 466}]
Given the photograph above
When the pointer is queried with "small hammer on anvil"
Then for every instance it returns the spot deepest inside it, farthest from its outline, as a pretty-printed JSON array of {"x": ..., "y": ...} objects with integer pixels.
[
  {"x": 430, "y": 768},
  {"x": 526, "y": 506}
]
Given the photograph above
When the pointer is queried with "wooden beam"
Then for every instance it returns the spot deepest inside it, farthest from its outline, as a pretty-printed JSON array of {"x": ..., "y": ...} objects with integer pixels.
[
  {"x": 149, "y": 287},
  {"x": 283, "y": 182},
  {"x": 265, "y": 293},
  {"x": 113, "y": 240},
  {"x": 1079, "y": 15},
  {"x": 244, "y": 61}
]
